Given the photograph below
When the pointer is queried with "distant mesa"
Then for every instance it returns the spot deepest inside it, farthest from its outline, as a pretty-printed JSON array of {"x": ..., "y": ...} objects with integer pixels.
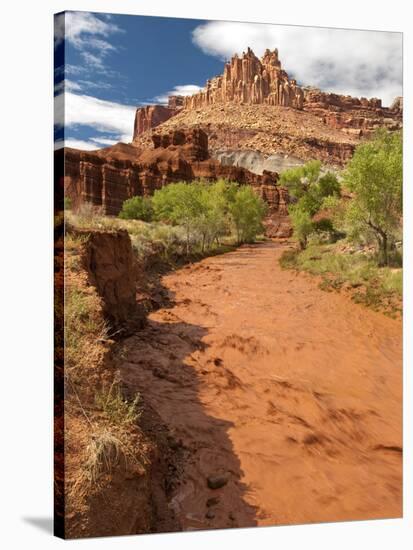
[{"x": 248, "y": 80}]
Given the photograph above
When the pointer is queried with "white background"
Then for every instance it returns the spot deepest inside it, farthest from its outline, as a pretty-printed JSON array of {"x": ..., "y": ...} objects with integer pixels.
[{"x": 26, "y": 269}]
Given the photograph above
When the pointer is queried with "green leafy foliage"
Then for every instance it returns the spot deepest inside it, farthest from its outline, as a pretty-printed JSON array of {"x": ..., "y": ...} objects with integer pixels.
[
  {"x": 309, "y": 188},
  {"x": 375, "y": 178},
  {"x": 302, "y": 224},
  {"x": 247, "y": 211},
  {"x": 137, "y": 208},
  {"x": 116, "y": 408},
  {"x": 298, "y": 179},
  {"x": 208, "y": 211}
]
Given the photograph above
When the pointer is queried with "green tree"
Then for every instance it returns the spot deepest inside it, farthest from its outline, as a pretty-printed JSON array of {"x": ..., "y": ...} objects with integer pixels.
[
  {"x": 302, "y": 224},
  {"x": 328, "y": 185},
  {"x": 181, "y": 204},
  {"x": 299, "y": 179},
  {"x": 309, "y": 188},
  {"x": 247, "y": 211},
  {"x": 137, "y": 208},
  {"x": 375, "y": 178},
  {"x": 213, "y": 220}
]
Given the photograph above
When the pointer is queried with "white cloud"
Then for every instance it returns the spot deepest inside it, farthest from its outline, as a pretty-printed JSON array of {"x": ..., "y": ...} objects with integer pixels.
[
  {"x": 103, "y": 116},
  {"x": 74, "y": 69},
  {"x": 87, "y": 33},
  {"x": 76, "y": 144},
  {"x": 104, "y": 140},
  {"x": 183, "y": 89},
  {"x": 360, "y": 63}
]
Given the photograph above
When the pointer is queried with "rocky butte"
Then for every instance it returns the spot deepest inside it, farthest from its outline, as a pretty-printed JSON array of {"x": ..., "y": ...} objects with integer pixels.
[
  {"x": 251, "y": 81},
  {"x": 254, "y": 105}
]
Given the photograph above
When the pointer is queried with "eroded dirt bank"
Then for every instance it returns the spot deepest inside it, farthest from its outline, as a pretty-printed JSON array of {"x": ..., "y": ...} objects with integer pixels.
[{"x": 291, "y": 394}]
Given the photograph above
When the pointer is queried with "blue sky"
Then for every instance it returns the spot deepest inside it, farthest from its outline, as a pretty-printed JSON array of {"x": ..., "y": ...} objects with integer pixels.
[{"x": 107, "y": 65}]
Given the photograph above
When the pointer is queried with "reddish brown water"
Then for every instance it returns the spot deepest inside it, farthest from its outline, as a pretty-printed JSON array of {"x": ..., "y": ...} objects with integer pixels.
[{"x": 293, "y": 392}]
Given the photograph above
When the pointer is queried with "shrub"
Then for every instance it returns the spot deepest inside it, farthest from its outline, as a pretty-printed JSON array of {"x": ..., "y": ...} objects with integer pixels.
[
  {"x": 302, "y": 224},
  {"x": 247, "y": 211},
  {"x": 181, "y": 204},
  {"x": 207, "y": 211},
  {"x": 137, "y": 208},
  {"x": 310, "y": 189}
]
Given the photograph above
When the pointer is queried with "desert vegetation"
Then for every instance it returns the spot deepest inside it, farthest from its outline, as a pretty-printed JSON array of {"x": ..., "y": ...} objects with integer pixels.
[
  {"x": 349, "y": 227},
  {"x": 184, "y": 220},
  {"x": 206, "y": 212}
]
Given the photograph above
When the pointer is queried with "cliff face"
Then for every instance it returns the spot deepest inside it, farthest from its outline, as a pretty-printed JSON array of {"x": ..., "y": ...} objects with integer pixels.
[
  {"x": 246, "y": 80},
  {"x": 105, "y": 180},
  {"x": 250, "y": 80},
  {"x": 357, "y": 116},
  {"x": 150, "y": 116}
]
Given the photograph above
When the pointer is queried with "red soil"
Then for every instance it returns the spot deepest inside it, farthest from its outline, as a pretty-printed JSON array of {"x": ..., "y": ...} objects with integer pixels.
[{"x": 293, "y": 393}]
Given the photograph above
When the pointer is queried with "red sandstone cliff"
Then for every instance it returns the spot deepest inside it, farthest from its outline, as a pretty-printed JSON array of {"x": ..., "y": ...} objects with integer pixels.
[
  {"x": 150, "y": 116},
  {"x": 358, "y": 116},
  {"x": 250, "y": 80},
  {"x": 106, "y": 178}
]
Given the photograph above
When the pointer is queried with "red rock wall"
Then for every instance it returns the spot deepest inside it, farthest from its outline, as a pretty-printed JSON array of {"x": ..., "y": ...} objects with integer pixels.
[
  {"x": 354, "y": 115},
  {"x": 250, "y": 80},
  {"x": 107, "y": 181},
  {"x": 151, "y": 116}
]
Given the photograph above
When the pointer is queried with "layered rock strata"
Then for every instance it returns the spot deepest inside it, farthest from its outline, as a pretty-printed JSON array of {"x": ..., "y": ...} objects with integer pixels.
[
  {"x": 151, "y": 116},
  {"x": 250, "y": 80},
  {"x": 106, "y": 178},
  {"x": 357, "y": 116}
]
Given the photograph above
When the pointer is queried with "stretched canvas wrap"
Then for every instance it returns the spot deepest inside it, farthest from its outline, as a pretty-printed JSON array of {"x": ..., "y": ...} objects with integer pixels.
[{"x": 228, "y": 274}]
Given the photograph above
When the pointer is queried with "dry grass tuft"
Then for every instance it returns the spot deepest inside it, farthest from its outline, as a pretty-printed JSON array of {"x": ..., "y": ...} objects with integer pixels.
[{"x": 118, "y": 410}]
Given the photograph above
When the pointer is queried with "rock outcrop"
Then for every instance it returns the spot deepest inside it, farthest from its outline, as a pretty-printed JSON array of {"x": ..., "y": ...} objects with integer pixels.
[
  {"x": 111, "y": 266},
  {"x": 150, "y": 116},
  {"x": 250, "y": 80},
  {"x": 357, "y": 116},
  {"x": 107, "y": 177}
]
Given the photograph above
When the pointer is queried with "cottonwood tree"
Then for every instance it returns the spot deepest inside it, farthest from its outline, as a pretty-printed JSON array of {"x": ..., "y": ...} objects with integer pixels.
[
  {"x": 181, "y": 204},
  {"x": 375, "y": 178},
  {"x": 247, "y": 211}
]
